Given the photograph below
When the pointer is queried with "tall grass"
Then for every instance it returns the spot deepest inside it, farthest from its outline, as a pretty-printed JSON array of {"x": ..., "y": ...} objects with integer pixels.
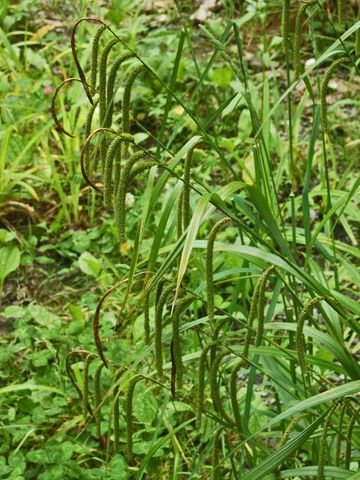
[{"x": 234, "y": 353}]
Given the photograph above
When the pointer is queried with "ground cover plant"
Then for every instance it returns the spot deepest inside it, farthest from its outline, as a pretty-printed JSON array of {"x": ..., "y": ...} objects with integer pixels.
[{"x": 184, "y": 302}]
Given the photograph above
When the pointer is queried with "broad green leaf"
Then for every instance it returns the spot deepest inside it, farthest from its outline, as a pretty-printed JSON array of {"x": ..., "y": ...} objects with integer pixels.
[
  {"x": 89, "y": 264},
  {"x": 30, "y": 386},
  {"x": 9, "y": 261},
  {"x": 329, "y": 471},
  {"x": 190, "y": 239}
]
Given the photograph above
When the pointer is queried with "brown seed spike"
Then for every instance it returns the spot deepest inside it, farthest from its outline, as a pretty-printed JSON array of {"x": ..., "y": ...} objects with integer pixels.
[
  {"x": 59, "y": 126},
  {"x": 74, "y": 52}
]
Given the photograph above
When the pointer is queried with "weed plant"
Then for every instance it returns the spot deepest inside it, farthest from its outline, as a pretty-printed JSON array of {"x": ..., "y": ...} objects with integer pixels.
[{"x": 232, "y": 350}]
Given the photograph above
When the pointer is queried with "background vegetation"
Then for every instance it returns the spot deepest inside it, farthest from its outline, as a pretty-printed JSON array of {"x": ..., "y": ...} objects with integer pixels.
[{"x": 272, "y": 133}]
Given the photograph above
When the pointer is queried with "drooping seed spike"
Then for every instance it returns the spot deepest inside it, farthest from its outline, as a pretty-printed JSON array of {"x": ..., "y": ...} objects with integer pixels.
[
  {"x": 186, "y": 187},
  {"x": 158, "y": 328},
  {"x": 339, "y": 434},
  {"x": 300, "y": 18},
  {"x": 85, "y": 396},
  {"x": 357, "y": 36},
  {"x": 349, "y": 440},
  {"x": 159, "y": 289},
  {"x": 138, "y": 169},
  {"x": 233, "y": 396},
  {"x": 216, "y": 470},
  {"x": 341, "y": 10},
  {"x": 69, "y": 370},
  {"x": 116, "y": 393},
  {"x": 97, "y": 399},
  {"x": 179, "y": 214},
  {"x": 120, "y": 204},
  {"x": 215, "y": 390},
  {"x": 88, "y": 127},
  {"x": 111, "y": 84},
  {"x": 103, "y": 80},
  {"x": 131, "y": 75},
  {"x": 323, "y": 443},
  {"x": 285, "y": 29},
  {"x": 129, "y": 419},
  {"x": 74, "y": 51},
  {"x": 94, "y": 59},
  {"x": 210, "y": 271},
  {"x": 57, "y": 122},
  {"x": 175, "y": 320},
  {"x": 83, "y": 156},
  {"x": 300, "y": 344},
  {"x": 261, "y": 305},
  {"x": 324, "y": 89},
  {"x": 250, "y": 321},
  {"x": 108, "y": 173},
  {"x": 215, "y": 336},
  {"x": 201, "y": 385},
  {"x": 96, "y": 323},
  {"x": 290, "y": 428}
]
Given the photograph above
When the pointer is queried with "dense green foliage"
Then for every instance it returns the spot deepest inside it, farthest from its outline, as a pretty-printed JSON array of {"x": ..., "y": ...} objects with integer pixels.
[{"x": 179, "y": 248}]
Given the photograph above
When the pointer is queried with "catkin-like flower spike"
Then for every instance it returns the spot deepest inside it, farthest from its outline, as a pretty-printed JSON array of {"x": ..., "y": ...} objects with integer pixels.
[
  {"x": 290, "y": 428},
  {"x": 120, "y": 203},
  {"x": 97, "y": 399},
  {"x": 110, "y": 93},
  {"x": 179, "y": 215},
  {"x": 285, "y": 21},
  {"x": 341, "y": 10},
  {"x": 96, "y": 323},
  {"x": 186, "y": 187},
  {"x": 201, "y": 385},
  {"x": 210, "y": 271},
  {"x": 339, "y": 434},
  {"x": 146, "y": 318},
  {"x": 300, "y": 18},
  {"x": 348, "y": 440},
  {"x": 158, "y": 328},
  {"x": 74, "y": 52},
  {"x": 57, "y": 122},
  {"x": 159, "y": 289},
  {"x": 219, "y": 325},
  {"x": 324, "y": 89},
  {"x": 233, "y": 396},
  {"x": 88, "y": 125},
  {"x": 109, "y": 160},
  {"x": 252, "y": 315},
  {"x": 323, "y": 443},
  {"x": 215, "y": 391},
  {"x": 357, "y": 36},
  {"x": 175, "y": 320},
  {"x": 109, "y": 168},
  {"x": 94, "y": 59},
  {"x": 300, "y": 344},
  {"x": 116, "y": 410},
  {"x": 129, "y": 419},
  {"x": 69, "y": 370},
  {"x": 261, "y": 306},
  {"x": 131, "y": 75},
  {"x": 86, "y": 405},
  {"x": 103, "y": 80},
  {"x": 141, "y": 168},
  {"x": 83, "y": 156},
  {"x": 216, "y": 470}
]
